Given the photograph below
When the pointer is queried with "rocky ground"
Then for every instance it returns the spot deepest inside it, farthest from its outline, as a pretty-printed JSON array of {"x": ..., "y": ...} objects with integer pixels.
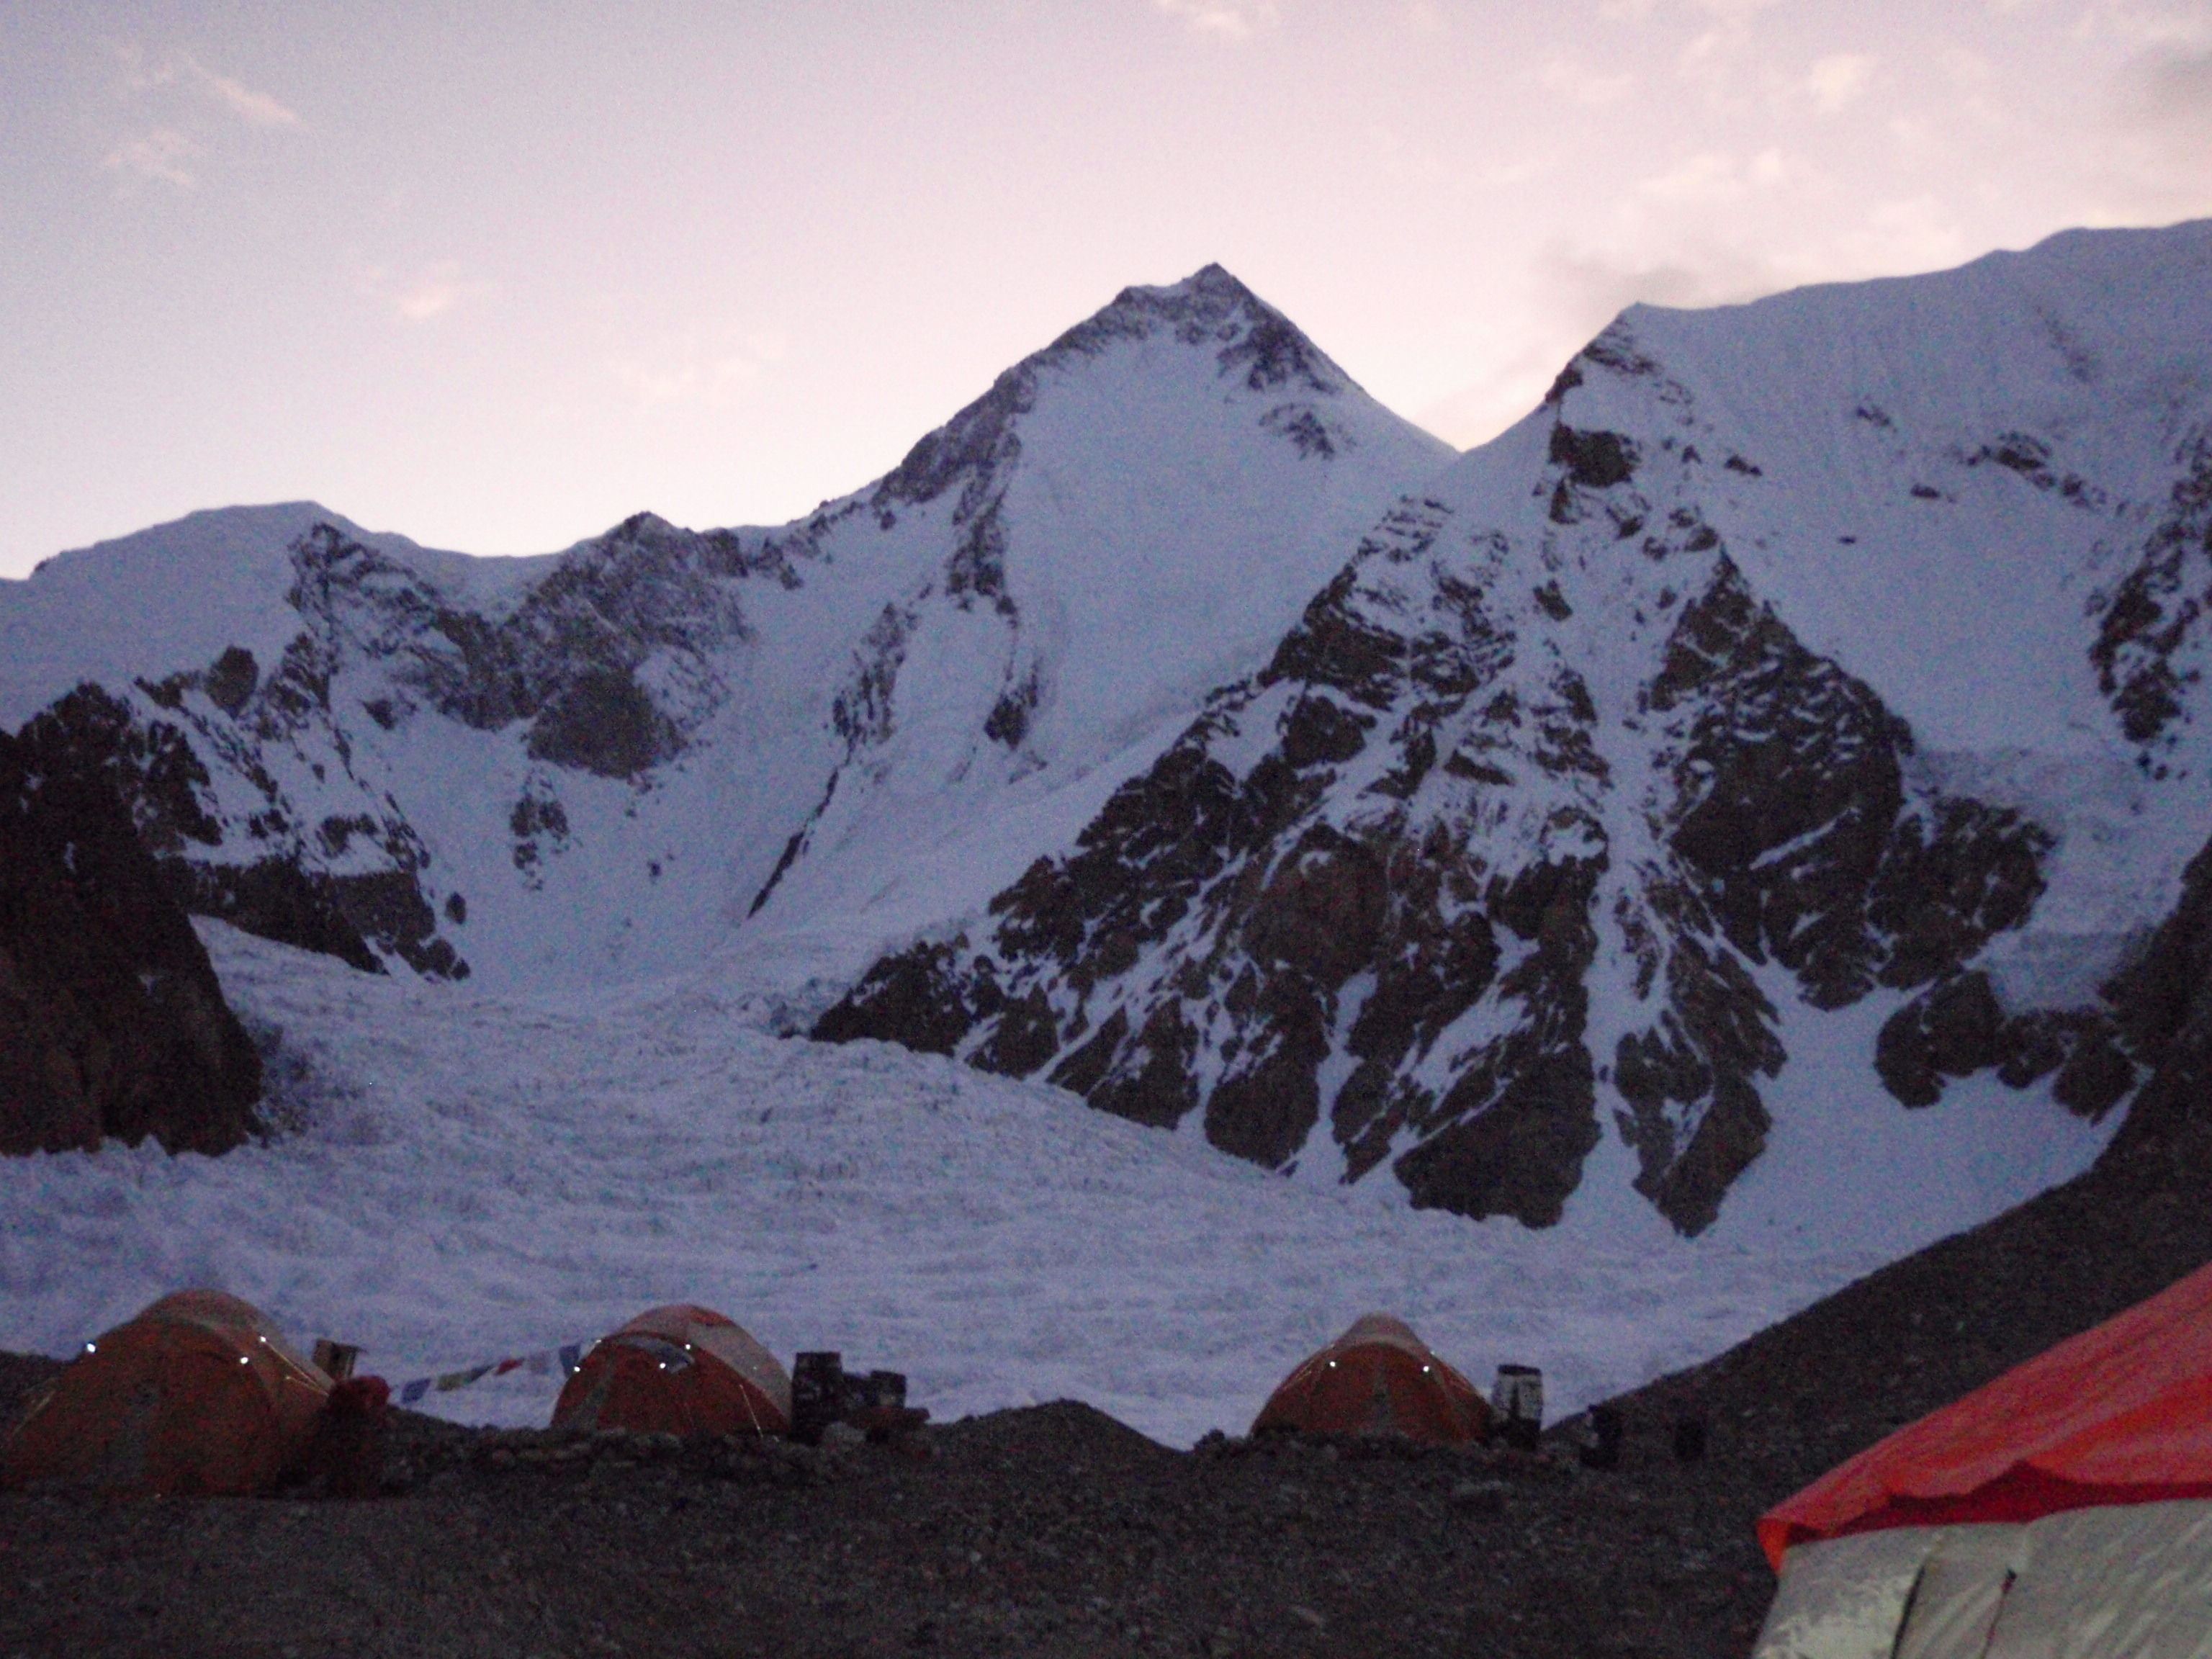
[{"x": 1054, "y": 1530}]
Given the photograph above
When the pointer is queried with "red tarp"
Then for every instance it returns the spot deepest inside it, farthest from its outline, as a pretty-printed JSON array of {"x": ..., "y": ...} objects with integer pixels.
[{"x": 2120, "y": 1414}]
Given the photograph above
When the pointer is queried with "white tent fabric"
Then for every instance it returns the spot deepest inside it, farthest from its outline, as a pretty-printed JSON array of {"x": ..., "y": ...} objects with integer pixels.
[
  {"x": 2124, "y": 1581},
  {"x": 1961, "y": 1585},
  {"x": 1845, "y": 1598}
]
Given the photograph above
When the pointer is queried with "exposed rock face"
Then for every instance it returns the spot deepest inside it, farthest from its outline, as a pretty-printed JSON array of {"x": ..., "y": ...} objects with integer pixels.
[
  {"x": 112, "y": 1023},
  {"x": 2148, "y": 654},
  {"x": 2162, "y": 1003},
  {"x": 149, "y": 763},
  {"x": 1527, "y": 821},
  {"x": 1958, "y": 1027}
]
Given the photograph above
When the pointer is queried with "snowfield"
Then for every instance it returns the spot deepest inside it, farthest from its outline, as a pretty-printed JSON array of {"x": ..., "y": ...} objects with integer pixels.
[{"x": 470, "y": 1176}]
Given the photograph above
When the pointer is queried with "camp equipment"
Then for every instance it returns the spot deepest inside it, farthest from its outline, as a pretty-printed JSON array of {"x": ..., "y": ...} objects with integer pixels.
[
  {"x": 818, "y": 1395},
  {"x": 678, "y": 1370},
  {"x": 1517, "y": 1397},
  {"x": 2065, "y": 1508},
  {"x": 1378, "y": 1378},
  {"x": 199, "y": 1393}
]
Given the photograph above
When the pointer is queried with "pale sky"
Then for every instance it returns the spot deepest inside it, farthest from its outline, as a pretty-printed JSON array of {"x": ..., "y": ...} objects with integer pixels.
[{"x": 497, "y": 274}]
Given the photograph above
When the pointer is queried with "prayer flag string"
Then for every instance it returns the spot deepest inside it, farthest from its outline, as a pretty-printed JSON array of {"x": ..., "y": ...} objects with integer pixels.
[{"x": 567, "y": 1358}]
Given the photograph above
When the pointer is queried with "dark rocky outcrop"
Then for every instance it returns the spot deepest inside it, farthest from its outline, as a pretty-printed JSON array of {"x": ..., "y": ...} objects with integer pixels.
[
  {"x": 1957, "y": 1027},
  {"x": 112, "y": 1022},
  {"x": 602, "y": 722},
  {"x": 150, "y": 765},
  {"x": 2162, "y": 1007},
  {"x": 564, "y": 659},
  {"x": 1795, "y": 821},
  {"x": 921, "y": 999}
]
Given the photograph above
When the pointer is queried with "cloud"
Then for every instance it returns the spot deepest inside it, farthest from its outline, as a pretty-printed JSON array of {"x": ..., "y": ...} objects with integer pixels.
[
  {"x": 1584, "y": 86},
  {"x": 1838, "y": 79},
  {"x": 2151, "y": 26},
  {"x": 159, "y": 155},
  {"x": 1591, "y": 289},
  {"x": 256, "y": 109},
  {"x": 1707, "y": 177},
  {"x": 1717, "y": 51},
  {"x": 1401, "y": 157},
  {"x": 436, "y": 290},
  {"x": 1224, "y": 19},
  {"x": 1580, "y": 293},
  {"x": 181, "y": 88},
  {"x": 2154, "y": 157},
  {"x": 424, "y": 294},
  {"x": 2170, "y": 89},
  {"x": 1710, "y": 178},
  {"x": 1898, "y": 238},
  {"x": 694, "y": 367},
  {"x": 1969, "y": 70}
]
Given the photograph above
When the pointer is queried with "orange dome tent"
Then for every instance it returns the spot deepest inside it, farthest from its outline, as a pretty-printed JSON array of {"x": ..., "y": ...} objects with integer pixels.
[
  {"x": 199, "y": 1393},
  {"x": 1378, "y": 1378},
  {"x": 681, "y": 1369},
  {"x": 2067, "y": 1497}
]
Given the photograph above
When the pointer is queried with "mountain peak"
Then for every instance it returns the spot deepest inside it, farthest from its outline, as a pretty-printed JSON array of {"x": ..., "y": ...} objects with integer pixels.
[
  {"x": 1212, "y": 282},
  {"x": 1251, "y": 342}
]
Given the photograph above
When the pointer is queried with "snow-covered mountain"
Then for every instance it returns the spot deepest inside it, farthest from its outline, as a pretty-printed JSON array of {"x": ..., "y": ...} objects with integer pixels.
[
  {"x": 1793, "y": 725},
  {"x": 599, "y": 765},
  {"x": 1806, "y": 701},
  {"x": 1732, "y": 817}
]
